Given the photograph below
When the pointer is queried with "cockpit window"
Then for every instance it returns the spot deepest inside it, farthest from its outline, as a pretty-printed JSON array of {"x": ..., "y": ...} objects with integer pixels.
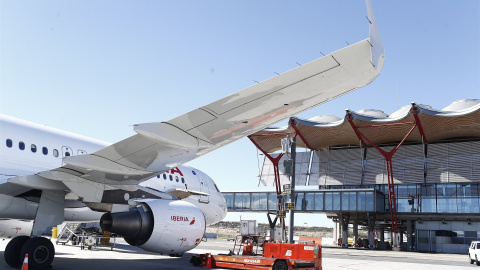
[{"x": 194, "y": 173}]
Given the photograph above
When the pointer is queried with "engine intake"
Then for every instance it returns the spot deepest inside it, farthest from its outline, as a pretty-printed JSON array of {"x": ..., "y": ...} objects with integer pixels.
[
  {"x": 136, "y": 225},
  {"x": 163, "y": 226}
]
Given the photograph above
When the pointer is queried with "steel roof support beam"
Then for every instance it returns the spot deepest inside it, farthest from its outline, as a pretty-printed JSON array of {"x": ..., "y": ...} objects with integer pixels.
[
  {"x": 388, "y": 163},
  {"x": 276, "y": 172},
  {"x": 293, "y": 124}
]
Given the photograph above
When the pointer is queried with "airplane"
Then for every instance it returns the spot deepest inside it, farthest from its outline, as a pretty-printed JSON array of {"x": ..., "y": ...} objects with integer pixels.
[{"x": 135, "y": 186}]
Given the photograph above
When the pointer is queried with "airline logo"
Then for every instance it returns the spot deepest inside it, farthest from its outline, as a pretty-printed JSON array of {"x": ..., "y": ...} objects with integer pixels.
[
  {"x": 179, "y": 218},
  {"x": 182, "y": 218},
  {"x": 176, "y": 170}
]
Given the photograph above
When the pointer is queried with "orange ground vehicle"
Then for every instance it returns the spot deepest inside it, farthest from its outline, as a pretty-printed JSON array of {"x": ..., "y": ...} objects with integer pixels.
[{"x": 276, "y": 256}]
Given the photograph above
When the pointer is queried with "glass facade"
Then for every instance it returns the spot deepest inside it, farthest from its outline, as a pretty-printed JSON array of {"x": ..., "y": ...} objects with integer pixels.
[
  {"x": 431, "y": 198},
  {"x": 311, "y": 201},
  {"x": 415, "y": 198}
]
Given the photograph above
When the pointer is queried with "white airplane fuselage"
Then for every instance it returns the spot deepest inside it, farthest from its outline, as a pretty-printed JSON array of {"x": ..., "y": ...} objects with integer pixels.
[{"x": 27, "y": 148}]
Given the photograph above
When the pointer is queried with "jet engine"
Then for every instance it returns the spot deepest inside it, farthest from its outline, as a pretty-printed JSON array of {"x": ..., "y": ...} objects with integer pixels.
[{"x": 163, "y": 226}]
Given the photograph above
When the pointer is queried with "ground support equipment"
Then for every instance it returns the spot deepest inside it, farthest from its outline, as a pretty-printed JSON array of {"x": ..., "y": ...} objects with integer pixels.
[{"x": 276, "y": 256}]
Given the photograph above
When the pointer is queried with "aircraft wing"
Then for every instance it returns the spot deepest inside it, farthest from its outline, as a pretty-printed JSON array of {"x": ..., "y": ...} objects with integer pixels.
[{"x": 158, "y": 147}]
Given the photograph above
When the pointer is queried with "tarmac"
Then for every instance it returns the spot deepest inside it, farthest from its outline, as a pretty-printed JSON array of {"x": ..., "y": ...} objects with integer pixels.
[{"x": 124, "y": 256}]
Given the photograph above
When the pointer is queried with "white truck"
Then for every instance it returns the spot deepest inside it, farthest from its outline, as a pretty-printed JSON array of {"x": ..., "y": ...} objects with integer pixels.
[{"x": 474, "y": 252}]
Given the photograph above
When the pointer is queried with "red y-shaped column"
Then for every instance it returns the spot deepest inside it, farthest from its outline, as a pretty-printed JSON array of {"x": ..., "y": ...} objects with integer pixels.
[{"x": 388, "y": 161}]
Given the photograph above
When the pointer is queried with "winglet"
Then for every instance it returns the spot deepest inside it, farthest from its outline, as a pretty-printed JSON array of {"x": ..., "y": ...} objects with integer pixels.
[{"x": 376, "y": 42}]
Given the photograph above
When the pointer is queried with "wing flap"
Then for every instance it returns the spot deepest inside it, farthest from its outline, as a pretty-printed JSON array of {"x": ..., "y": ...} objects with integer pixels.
[
  {"x": 272, "y": 85},
  {"x": 183, "y": 193}
]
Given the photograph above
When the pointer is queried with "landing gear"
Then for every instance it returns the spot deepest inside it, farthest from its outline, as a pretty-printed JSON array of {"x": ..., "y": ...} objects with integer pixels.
[
  {"x": 40, "y": 252},
  {"x": 13, "y": 250}
]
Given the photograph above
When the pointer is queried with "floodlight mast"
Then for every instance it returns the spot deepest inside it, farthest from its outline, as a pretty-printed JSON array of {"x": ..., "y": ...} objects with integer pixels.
[
  {"x": 293, "y": 151},
  {"x": 275, "y": 161}
]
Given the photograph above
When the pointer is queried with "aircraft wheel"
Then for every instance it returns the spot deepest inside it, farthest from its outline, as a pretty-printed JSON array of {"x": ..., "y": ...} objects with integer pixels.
[
  {"x": 40, "y": 252},
  {"x": 13, "y": 250}
]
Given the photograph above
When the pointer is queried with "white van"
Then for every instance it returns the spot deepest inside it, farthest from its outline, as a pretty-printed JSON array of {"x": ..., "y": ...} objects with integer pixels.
[{"x": 474, "y": 252}]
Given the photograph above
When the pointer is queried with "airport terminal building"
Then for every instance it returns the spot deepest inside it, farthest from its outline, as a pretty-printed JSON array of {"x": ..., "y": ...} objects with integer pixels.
[{"x": 430, "y": 157}]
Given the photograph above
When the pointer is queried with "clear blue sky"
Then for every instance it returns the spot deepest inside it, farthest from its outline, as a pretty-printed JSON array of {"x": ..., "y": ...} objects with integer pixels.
[{"x": 98, "y": 67}]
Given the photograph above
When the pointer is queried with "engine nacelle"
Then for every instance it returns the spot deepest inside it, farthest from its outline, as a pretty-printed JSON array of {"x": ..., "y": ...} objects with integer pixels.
[{"x": 164, "y": 226}]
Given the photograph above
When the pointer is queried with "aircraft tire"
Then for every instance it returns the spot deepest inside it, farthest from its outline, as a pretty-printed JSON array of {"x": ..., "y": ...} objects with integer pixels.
[
  {"x": 40, "y": 252},
  {"x": 13, "y": 250}
]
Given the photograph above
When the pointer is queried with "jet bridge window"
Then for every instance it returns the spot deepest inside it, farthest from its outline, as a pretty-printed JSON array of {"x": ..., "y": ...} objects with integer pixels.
[
  {"x": 9, "y": 143},
  {"x": 33, "y": 147},
  {"x": 21, "y": 145},
  {"x": 45, "y": 150}
]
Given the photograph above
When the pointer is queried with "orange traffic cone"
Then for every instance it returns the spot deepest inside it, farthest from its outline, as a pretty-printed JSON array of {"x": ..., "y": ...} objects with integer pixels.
[{"x": 25, "y": 263}]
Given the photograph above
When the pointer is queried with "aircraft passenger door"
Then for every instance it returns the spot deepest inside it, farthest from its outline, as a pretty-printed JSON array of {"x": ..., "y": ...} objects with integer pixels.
[
  {"x": 203, "y": 188},
  {"x": 66, "y": 152}
]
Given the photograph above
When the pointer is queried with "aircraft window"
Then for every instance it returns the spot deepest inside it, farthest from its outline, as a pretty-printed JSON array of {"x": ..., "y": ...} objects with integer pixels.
[
  {"x": 165, "y": 176},
  {"x": 176, "y": 178},
  {"x": 194, "y": 173},
  {"x": 33, "y": 147},
  {"x": 45, "y": 150},
  {"x": 183, "y": 180},
  {"x": 158, "y": 176},
  {"x": 171, "y": 178},
  {"x": 67, "y": 154},
  {"x": 9, "y": 143},
  {"x": 21, "y": 145},
  {"x": 55, "y": 152}
]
